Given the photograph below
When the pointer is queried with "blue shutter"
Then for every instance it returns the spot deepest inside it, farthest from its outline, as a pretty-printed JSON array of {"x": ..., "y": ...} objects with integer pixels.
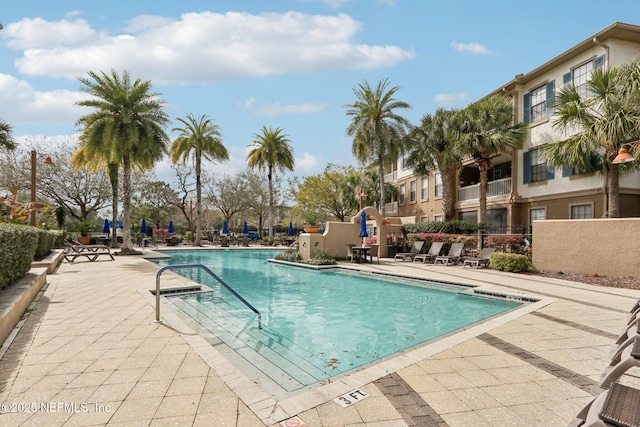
[
  {"x": 551, "y": 96},
  {"x": 598, "y": 62},
  {"x": 527, "y": 108},
  {"x": 567, "y": 171},
  {"x": 526, "y": 167},
  {"x": 566, "y": 79}
]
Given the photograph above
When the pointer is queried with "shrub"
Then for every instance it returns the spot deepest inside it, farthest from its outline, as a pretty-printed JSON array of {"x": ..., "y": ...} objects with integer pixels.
[
  {"x": 514, "y": 263},
  {"x": 447, "y": 239},
  {"x": 505, "y": 242},
  {"x": 321, "y": 257},
  {"x": 17, "y": 248},
  {"x": 46, "y": 241},
  {"x": 289, "y": 254},
  {"x": 448, "y": 227}
]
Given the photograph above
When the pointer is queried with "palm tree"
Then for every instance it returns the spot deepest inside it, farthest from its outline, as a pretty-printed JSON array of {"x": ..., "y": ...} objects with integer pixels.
[
  {"x": 485, "y": 129},
  {"x": 606, "y": 116},
  {"x": 204, "y": 138},
  {"x": 126, "y": 128},
  {"x": 6, "y": 140},
  {"x": 431, "y": 148},
  {"x": 376, "y": 128},
  {"x": 271, "y": 151}
]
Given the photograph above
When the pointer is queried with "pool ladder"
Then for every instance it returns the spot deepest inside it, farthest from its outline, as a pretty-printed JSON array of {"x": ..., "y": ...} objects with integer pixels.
[{"x": 212, "y": 274}]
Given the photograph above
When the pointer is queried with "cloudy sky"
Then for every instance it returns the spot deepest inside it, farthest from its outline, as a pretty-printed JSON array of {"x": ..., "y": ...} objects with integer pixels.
[{"x": 291, "y": 64}]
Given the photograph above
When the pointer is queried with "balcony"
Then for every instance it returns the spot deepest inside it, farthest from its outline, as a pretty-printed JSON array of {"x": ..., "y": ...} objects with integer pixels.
[
  {"x": 499, "y": 187},
  {"x": 391, "y": 177},
  {"x": 391, "y": 208}
]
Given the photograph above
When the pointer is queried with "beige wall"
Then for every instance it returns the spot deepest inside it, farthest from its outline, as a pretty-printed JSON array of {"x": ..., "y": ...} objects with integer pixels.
[{"x": 607, "y": 247}]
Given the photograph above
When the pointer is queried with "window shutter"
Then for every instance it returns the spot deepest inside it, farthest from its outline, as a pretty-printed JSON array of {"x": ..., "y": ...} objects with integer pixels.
[
  {"x": 567, "y": 171},
  {"x": 566, "y": 79},
  {"x": 598, "y": 62},
  {"x": 527, "y": 108},
  {"x": 526, "y": 167},
  {"x": 551, "y": 89}
]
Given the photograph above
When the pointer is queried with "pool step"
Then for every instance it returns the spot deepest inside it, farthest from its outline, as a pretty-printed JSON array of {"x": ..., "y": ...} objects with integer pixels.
[{"x": 289, "y": 365}]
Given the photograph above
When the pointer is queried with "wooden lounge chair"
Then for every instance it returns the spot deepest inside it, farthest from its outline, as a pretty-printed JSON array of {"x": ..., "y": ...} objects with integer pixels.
[
  {"x": 415, "y": 250},
  {"x": 91, "y": 252},
  {"x": 453, "y": 257},
  {"x": 481, "y": 260},
  {"x": 434, "y": 251}
]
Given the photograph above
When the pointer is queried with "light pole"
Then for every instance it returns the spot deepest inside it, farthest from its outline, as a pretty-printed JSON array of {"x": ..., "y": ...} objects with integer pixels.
[{"x": 32, "y": 217}]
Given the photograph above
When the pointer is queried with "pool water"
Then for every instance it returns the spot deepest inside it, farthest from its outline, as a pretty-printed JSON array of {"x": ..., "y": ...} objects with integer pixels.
[{"x": 318, "y": 324}]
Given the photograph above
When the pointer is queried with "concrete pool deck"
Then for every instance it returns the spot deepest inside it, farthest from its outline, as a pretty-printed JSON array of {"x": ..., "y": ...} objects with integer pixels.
[{"x": 90, "y": 354}]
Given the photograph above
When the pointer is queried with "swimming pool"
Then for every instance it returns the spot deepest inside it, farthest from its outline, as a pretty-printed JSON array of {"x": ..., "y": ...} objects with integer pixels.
[{"x": 318, "y": 324}]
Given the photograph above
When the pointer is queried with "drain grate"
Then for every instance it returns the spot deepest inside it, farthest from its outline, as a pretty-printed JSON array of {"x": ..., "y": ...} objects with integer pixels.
[{"x": 178, "y": 291}]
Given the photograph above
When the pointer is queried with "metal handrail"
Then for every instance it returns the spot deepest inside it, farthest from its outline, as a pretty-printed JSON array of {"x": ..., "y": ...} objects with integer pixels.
[{"x": 212, "y": 274}]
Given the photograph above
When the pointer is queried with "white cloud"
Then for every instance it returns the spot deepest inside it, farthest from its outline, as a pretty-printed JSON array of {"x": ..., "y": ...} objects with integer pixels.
[
  {"x": 307, "y": 164},
  {"x": 334, "y": 4},
  {"x": 472, "y": 48},
  {"x": 199, "y": 47},
  {"x": 450, "y": 99},
  {"x": 277, "y": 109}
]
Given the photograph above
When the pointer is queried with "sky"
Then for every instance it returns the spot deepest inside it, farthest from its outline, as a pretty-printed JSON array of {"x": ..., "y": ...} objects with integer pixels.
[{"x": 289, "y": 64}]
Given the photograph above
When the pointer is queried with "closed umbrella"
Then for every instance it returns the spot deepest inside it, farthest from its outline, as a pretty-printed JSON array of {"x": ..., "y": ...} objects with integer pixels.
[
  {"x": 245, "y": 228},
  {"x": 171, "y": 230},
  {"x": 143, "y": 227},
  {"x": 225, "y": 229},
  {"x": 105, "y": 228},
  {"x": 290, "y": 231},
  {"x": 363, "y": 226}
]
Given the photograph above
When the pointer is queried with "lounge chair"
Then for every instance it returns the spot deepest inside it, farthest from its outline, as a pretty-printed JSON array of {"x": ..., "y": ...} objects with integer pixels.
[
  {"x": 374, "y": 252},
  {"x": 481, "y": 260},
  {"x": 91, "y": 252},
  {"x": 454, "y": 255},
  {"x": 434, "y": 251},
  {"x": 415, "y": 250}
]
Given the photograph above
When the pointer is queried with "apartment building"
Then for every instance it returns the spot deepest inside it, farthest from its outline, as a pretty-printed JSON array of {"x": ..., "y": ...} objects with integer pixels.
[{"x": 523, "y": 188}]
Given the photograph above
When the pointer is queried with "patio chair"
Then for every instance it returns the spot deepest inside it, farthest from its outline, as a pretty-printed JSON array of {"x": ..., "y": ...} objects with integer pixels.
[
  {"x": 374, "y": 252},
  {"x": 481, "y": 260},
  {"x": 224, "y": 241},
  {"x": 350, "y": 252},
  {"x": 454, "y": 255},
  {"x": 434, "y": 251},
  {"x": 415, "y": 250}
]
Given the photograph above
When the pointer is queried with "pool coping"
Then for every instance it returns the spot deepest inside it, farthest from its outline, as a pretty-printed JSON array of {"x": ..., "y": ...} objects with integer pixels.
[{"x": 271, "y": 410}]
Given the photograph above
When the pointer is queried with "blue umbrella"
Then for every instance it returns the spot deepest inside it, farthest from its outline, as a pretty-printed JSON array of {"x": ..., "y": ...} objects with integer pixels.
[
  {"x": 290, "y": 231},
  {"x": 245, "y": 228},
  {"x": 171, "y": 229},
  {"x": 363, "y": 224},
  {"x": 225, "y": 229},
  {"x": 105, "y": 227},
  {"x": 143, "y": 227}
]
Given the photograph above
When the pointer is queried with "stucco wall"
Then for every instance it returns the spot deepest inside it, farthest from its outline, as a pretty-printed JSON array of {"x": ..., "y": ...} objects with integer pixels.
[{"x": 608, "y": 247}]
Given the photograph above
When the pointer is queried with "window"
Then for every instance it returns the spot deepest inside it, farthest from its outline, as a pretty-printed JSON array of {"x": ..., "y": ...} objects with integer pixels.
[
  {"x": 438, "y": 185},
  {"x": 579, "y": 76},
  {"x": 437, "y": 218},
  {"x": 535, "y": 167},
  {"x": 401, "y": 195},
  {"x": 424, "y": 188},
  {"x": 581, "y": 212},
  {"x": 538, "y": 103},
  {"x": 404, "y": 162},
  {"x": 412, "y": 191},
  {"x": 537, "y": 214},
  {"x": 424, "y": 219},
  {"x": 497, "y": 174}
]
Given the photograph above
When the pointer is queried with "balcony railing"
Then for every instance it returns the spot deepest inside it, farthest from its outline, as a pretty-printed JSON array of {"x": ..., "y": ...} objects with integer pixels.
[
  {"x": 391, "y": 208},
  {"x": 499, "y": 187}
]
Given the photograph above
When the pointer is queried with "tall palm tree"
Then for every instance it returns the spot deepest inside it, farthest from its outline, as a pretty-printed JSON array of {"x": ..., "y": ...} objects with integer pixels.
[
  {"x": 485, "y": 129},
  {"x": 271, "y": 151},
  {"x": 6, "y": 140},
  {"x": 430, "y": 147},
  {"x": 126, "y": 127},
  {"x": 376, "y": 128},
  {"x": 606, "y": 116},
  {"x": 203, "y": 138}
]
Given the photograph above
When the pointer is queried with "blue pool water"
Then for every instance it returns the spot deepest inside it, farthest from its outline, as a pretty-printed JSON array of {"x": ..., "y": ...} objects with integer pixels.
[{"x": 318, "y": 324}]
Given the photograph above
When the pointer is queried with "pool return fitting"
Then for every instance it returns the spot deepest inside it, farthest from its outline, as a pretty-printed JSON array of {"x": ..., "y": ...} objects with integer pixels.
[{"x": 212, "y": 274}]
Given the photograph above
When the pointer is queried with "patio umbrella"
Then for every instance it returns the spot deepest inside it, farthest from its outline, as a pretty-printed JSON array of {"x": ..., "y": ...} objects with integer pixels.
[
  {"x": 225, "y": 229},
  {"x": 171, "y": 230},
  {"x": 105, "y": 228},
  {"x": 143, "y": 227},
  {"x": 290, "y": 231},
  {"x": 245, "y": 228},
  {"x": 363, "y": 226}
]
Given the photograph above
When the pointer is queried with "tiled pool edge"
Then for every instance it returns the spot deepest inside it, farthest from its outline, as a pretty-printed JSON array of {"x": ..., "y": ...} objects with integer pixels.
[{"x": 271, "y": 411}]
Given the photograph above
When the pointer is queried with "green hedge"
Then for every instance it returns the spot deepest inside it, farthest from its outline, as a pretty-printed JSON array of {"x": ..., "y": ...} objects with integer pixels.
[
  {"x": 514, "y": 263},
  {"x": 48, "y": 240},
  {"x": 18, "y": 245},
  {"x": 448, "y": 227}
]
